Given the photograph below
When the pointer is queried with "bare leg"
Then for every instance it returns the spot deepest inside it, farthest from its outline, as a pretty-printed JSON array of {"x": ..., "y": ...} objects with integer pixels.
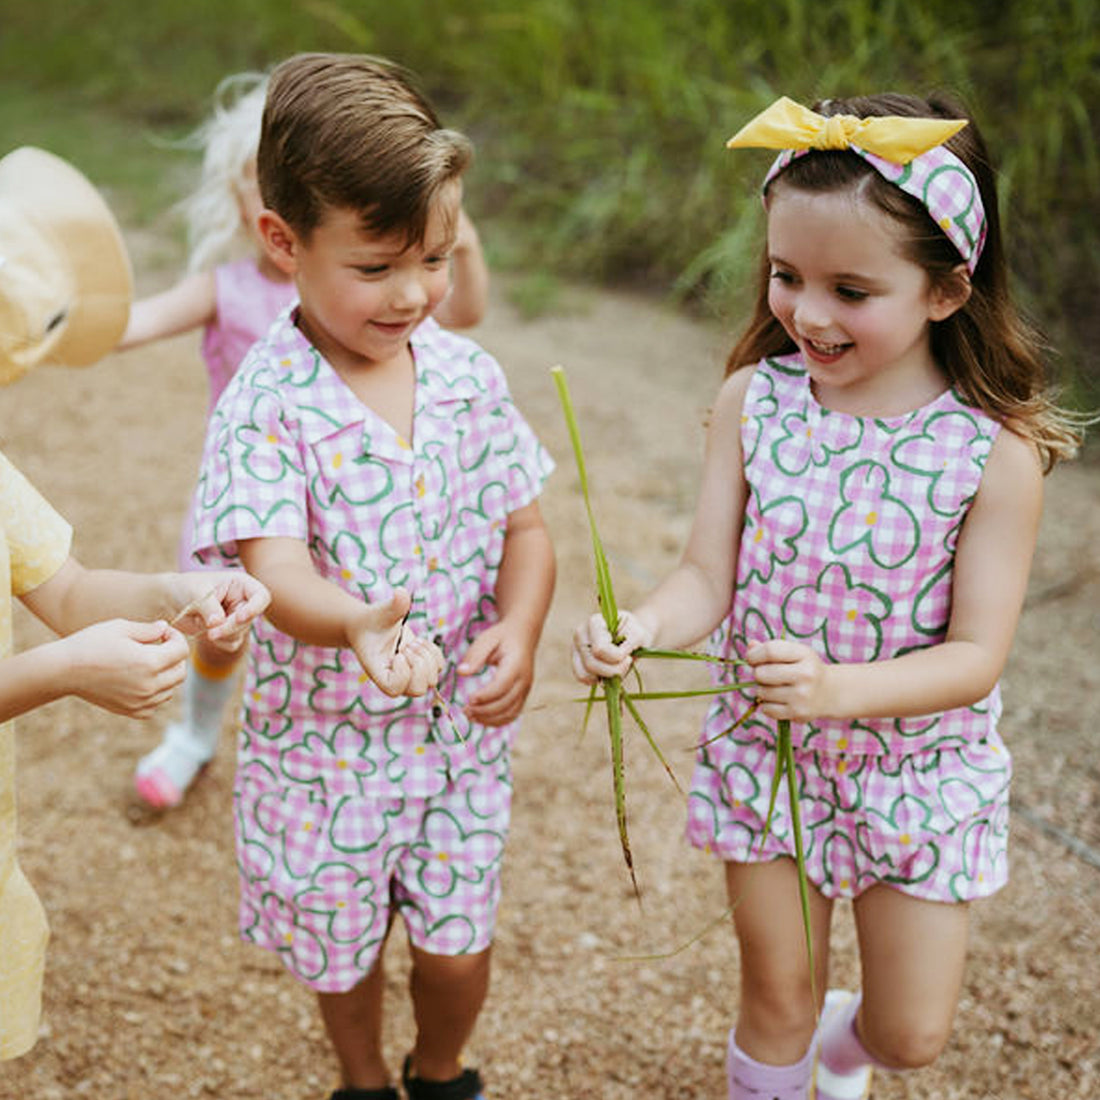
[
  {"x": 777, "y": 1015},
  {"x": 447, "y": 992},
  {"x": 353, "y": 1021},
  {"x": 913, "y": 954}
]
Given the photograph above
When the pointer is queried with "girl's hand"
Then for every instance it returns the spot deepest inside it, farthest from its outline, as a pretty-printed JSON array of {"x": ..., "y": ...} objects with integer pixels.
[
  {"x": 513, "y": 659},
  {"x": 792, "y": 681},
  {"x": 221, "y": 604},
  {"x": 126, "y": 667},
  {"x": 398, "y": 660},
  {"x": 596, "y": 656}
]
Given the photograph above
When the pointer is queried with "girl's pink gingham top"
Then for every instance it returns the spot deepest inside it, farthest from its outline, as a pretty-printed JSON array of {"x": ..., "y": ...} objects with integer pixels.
[
  {"x": 848, "y": 545},
  {"x": 292, "y": 452},
  {"x": 245, "y": 303}
]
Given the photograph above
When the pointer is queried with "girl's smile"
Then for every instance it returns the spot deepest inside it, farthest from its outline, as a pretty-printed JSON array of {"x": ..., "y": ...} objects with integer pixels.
[{"x": 859, "y": 311}]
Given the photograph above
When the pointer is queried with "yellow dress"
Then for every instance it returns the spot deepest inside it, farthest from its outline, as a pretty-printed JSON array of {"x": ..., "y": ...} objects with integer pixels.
[{"x": 34, "y": 544}]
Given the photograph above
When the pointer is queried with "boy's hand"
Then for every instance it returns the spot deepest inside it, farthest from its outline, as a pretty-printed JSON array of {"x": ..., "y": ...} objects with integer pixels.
[
  {"x": 126, "y": 667},
  {"x": 223, "y": 604},
  {"x": 791, "y": 680},
  {"x": 596, "y": 656},
  {"x": 397, "y": 659},
  {"x": 512, "y": 657}
]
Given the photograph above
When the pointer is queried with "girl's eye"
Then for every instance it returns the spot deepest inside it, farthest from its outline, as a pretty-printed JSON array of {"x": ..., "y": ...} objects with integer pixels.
[
  {"x": 372, "y": 271},
  {"x": 785, "y": 277},
  {"x": 851, "y": 293}
]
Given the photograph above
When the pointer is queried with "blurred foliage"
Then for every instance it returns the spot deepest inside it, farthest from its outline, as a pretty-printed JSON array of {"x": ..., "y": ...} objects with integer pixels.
[{"x": 600, "y": 123}]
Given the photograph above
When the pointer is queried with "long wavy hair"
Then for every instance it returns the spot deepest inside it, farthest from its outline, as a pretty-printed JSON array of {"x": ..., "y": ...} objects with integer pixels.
[{"x": 990, "y": 355}]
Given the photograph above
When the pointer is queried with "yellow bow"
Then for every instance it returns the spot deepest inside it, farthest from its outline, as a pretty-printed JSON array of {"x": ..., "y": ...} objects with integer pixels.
[{"x": 789, "y": 125}]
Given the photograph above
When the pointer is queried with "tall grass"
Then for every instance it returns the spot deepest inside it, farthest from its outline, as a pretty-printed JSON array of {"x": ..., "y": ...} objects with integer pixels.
[{"x": 601, "y": 125}]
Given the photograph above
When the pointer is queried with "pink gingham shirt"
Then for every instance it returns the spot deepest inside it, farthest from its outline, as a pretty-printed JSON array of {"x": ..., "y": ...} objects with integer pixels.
[
  {"x": 848, "y": 545},
  {"x": 292, "y": 452}
]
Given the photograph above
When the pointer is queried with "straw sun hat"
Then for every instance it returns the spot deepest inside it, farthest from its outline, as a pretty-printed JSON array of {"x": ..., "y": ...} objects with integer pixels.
[{"x": 65, "y": 280}]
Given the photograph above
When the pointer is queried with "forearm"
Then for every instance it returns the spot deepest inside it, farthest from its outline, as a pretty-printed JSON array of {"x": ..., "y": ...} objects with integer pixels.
[
  {"x": 78, "y": 597},
  {"x": 32, "y": 679},
  {"x": 525, "y": 581},
  {"x": 685, "y": 607},
  {"x": 306, "y": 606},
  {"x": 927, "y": 681},
  {"x": 468, "y": 297}
]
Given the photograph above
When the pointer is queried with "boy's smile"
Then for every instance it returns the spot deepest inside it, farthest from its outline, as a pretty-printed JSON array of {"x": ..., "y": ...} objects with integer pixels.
[{"x": 362, "y": 295}]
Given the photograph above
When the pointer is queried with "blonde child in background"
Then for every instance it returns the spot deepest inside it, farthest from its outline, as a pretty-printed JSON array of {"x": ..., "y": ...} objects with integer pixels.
[
  {"x": 868, "y": 510},
  {"x": 372, "y": 469},
  {"x": 233, "y": 292},
  {"x": 64, "y": 295}
]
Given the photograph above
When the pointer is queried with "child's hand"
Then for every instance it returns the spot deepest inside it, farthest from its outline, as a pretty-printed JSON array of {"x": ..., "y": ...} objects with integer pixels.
[
  {"x": 513, "y": 659},
  {"x": 791, "y": 680},
  {"x": 595, "y": 655},
  {"x": 223, "y": 604},
  {"x": 126, "y": 667},
  {"x": 398, "y": 660}
]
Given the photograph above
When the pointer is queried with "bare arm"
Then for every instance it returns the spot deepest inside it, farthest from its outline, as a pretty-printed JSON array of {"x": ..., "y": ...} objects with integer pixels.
[
  {"x": 464, "y": 305},
  {"x": 695, "y": 597},
  {"x": 183, "y": 307},
  {"x": 318, "y": 612},
  {"x": 992, "y": 562},
  {"x": 525, "y": 583}
]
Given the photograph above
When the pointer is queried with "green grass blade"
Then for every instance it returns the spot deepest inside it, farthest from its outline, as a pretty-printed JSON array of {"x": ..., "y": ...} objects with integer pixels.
[
  {"x": 606, "y": 594},
  {"x": 613, "y": 692},
  {"x": 678, "y": 693},
  {"x": 787, "y": 751},
  {"x": 684, "y": 655},
  {"x": 629, "y": 701}
]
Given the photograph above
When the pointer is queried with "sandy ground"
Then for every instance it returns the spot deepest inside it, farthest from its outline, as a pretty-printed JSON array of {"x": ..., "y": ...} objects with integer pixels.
[{"x": 149, "y": 993}]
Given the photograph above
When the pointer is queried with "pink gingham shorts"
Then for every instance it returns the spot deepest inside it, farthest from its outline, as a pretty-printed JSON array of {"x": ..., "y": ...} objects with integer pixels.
[
  {"x": 933, "y": 825},
  {"x": 323, "y": 893}
]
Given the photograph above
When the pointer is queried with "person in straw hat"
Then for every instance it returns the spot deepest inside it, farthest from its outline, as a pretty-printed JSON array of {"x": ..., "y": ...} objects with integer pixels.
[{"x": 65, "y": 289}]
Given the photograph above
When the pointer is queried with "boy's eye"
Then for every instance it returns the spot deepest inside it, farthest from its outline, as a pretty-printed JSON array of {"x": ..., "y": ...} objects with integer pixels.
[
  {"x": 435, "y": 261},
  {"x": 372, "y": 269},
  {"x": 782, "y": 276}
]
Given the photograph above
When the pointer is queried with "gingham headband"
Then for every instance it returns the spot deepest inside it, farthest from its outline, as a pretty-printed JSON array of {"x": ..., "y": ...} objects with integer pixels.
[{"x": 908, "y": 152}]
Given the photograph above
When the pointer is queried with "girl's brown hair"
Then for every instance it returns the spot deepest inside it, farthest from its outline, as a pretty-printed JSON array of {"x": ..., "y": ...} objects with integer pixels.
[
  {"x": 351, "y": 131},
  {"x": 990, "y": 355}
]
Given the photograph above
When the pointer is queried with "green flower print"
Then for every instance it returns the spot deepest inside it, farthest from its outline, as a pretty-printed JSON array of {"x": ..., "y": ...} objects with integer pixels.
[
  {"x": 334, "y": 765},
  {"x": 935, "y": 450},
  {"x": 327, "y": 895},
  {"x": 773, "y": 536},
  {"x": 445, "y": 856},
  {"x": 857, "y": 635},
  {"x": 872, "y": 517}
]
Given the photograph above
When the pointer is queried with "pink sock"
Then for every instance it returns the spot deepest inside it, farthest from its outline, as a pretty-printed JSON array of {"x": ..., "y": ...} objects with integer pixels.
[
  {"x": 841, "y": 1049},
  {"x": 752, "y": 1080}
]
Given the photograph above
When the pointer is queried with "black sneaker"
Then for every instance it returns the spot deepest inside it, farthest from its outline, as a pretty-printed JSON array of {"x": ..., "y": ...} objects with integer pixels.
[{"x": 466, "y": 1086}]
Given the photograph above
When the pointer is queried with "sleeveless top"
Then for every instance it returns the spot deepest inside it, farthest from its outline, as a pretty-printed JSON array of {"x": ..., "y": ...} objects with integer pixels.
[
  {"x": 848, "y": 545},
  {"x": 246, "y": 302}
]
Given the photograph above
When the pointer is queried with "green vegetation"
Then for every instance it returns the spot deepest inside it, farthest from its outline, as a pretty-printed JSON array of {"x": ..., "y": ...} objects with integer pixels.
[{"x": 600, "y": 126}]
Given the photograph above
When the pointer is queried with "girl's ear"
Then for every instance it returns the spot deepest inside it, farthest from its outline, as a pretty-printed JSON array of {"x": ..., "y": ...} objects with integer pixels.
[
  {"x": 950, "y": 294},
  {"x": 280, "y": 242}
]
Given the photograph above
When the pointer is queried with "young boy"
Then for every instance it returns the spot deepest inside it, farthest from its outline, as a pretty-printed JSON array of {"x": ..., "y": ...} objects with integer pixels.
[{"x": 372, "y": 470}]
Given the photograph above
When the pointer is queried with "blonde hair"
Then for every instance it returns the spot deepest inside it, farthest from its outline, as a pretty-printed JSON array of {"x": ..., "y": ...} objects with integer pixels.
[{"x": 228, "y": 139}]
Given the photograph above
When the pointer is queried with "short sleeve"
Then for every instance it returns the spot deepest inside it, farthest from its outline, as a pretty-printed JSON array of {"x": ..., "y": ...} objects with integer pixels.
[
  {"x": 252, "y": 483},
  {"x": 38, "y": 539}
]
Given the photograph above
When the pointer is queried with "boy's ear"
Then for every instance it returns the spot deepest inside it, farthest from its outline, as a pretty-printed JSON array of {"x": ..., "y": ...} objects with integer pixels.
[
  {"x": 280, "y": 242},
  {"x": 949, "y": 295}
]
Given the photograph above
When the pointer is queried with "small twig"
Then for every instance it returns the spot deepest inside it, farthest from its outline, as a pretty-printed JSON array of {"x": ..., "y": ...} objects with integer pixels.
[{"x": 188, "y": 609}]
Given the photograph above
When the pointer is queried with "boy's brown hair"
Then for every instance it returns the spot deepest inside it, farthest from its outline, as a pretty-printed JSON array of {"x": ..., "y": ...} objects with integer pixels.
[{"x": 352, "y": 131}]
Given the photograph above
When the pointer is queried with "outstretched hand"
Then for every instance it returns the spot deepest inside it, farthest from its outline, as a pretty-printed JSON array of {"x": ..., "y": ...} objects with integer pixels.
[{"x": 393, "y": 655}]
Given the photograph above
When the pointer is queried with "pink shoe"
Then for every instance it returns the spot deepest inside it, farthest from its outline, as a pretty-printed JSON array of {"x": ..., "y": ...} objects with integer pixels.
[
  {"x": 828, "y": 1085},
  {"x": 164, "y": 775}
]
